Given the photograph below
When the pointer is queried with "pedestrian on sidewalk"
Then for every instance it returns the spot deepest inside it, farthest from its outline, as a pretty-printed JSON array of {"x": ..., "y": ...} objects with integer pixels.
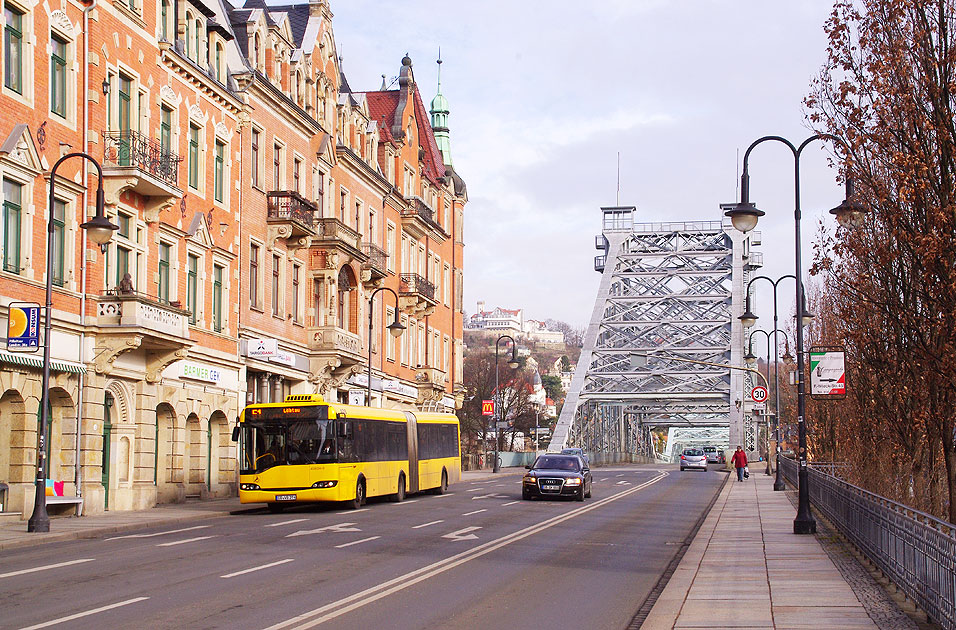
[{"x": 739, "y": 461}]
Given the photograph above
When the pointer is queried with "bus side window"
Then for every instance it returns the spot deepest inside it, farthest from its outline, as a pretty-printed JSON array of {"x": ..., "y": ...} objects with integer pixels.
[{"x": 344, "y": 429}]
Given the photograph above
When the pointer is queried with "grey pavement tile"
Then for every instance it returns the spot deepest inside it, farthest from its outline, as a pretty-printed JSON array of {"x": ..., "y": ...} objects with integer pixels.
[
  {"x": 816, "y": 617},
  {"x": 724, "y": 613}
]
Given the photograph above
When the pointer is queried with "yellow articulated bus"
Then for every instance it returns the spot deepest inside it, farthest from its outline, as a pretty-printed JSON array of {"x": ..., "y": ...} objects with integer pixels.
[{"x": 306, "y": 450}]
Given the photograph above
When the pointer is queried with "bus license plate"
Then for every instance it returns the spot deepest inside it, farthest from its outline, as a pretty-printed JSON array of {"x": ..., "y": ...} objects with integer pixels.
[{"x": 285, "y": 497}]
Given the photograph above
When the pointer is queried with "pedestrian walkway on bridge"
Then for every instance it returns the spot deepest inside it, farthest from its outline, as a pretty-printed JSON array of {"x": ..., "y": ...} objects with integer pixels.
[{"x": 747, "y": 569}]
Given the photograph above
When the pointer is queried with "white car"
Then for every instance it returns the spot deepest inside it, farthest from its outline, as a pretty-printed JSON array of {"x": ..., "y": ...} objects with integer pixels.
[{"x": 693, "y": 458}]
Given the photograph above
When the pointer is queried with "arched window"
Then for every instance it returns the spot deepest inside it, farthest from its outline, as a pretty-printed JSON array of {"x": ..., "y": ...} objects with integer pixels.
[
  {"x": 164, "y": 20},
  {"x": 189, "y": 35},
  {"x": 346, "y": 286},
  {"x": 220, "y": 56},
  {"x": 198, "y": 34}
]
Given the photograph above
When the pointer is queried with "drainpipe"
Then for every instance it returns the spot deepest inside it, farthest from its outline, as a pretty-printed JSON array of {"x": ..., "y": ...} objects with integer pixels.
[{"x": 77, "y": 467}]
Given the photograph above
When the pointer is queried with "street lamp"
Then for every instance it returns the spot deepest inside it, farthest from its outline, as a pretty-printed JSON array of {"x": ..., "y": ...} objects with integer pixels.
[
  {"x": 744, "y": 216},
  {"x": 750, "y": 359},
  {"x": 100, "y": 231},
  {"x": 513, "y": 363},
  {"x": 395, "y": 329}
]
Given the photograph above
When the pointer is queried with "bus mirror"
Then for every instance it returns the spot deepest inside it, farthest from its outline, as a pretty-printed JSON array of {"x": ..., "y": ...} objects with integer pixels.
[{"x": 235, "y": 433}]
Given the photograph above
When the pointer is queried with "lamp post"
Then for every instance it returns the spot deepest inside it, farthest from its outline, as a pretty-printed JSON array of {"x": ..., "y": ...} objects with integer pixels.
[
  {"x": 395, "y": 329},
  {"x": 513, "y": 363},
  {"x": 750, "y": 359},
  {"x": 749, "y": 319},
  {"x": 744, "y": 216},
  {"x": 100, "y": 231}
]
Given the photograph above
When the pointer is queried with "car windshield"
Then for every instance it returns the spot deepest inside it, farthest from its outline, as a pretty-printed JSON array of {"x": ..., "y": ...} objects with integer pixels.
[
  {"x": 693, "y": 452},
  {"x": 558, "y": 463}
]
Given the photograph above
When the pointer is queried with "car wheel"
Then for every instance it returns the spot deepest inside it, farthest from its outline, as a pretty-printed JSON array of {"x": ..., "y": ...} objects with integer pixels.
[
  {"x": 399, "y": 495},
  {"x": 587, "y": 495},
  {"x": 580, "y": 496},
  {"x": 359, "y": 499},
  {"x": 682, "y": 469},
  {"x": 525, "y": 495},
  {"x": 276, "y": 508}
]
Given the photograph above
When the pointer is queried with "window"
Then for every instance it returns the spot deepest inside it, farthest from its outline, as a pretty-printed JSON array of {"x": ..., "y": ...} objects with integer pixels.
[
  {"x": 343, "y": 205},
  {"x": 389, "y": 339},
  {"x": 58, "y": 76},
  {"x": 446, "y": 286},
  {"x": 193, "y": 156},
  {"x": 197, "y": 33},
  {"x": 163, "y": 288},
  {"x": 255, "y": 157},
  {"x": 390, "y": 246},
  {"x": 59, "y": 243},
  {"x": 217, "y": 298},
  {"x": 218, "y": 174},
  {"x": 276, "y": 166},
  {"x": 320, "y": 192},
  {"x": 13, "y": 49},
  {"x": 192, "y": 287},
  {"x": 296, "y": 167},
  {"x": 164, "y": 20},
  {"x": 218, "y": 61},
  {"x": 123, "y": 221},
  {"x": 254, "y": 276},
  {"x": 122, "y": 263},
  {"x": 275, "y": 285},
  {"x": 12, "y": 193},
  {"x": 295, "y": 292},
  {"x": 165, "y": 129}
]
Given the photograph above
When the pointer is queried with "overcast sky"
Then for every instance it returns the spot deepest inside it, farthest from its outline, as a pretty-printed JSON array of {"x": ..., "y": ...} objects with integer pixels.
[{"x": 544, "y": 95}]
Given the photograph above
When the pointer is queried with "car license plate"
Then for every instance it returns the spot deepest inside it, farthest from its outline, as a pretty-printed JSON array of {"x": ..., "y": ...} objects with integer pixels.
[
  {"x": 285, "y": 497},
  {"x": 552, "y": 485}
]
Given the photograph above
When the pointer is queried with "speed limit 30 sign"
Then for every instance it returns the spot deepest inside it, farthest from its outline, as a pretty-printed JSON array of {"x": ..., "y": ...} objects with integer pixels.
[{"x": 759, "y": 394}]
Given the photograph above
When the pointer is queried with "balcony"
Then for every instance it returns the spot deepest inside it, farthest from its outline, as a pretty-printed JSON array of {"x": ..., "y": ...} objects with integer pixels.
[
  {"x": 430, "y": 382},
  {"x": 129, "y": 320},
  {"x": 337, "y": 238},
  {"x": 416, "y": 294},
  {"x": 376, "y": 267},
  {"x": 418, "y": 220},
  {"x": 336, "y": 344},
  {"x": 753, "y": 261},
  {"x": 290, "y": 216},
  {"x": 132, "y": 161}
]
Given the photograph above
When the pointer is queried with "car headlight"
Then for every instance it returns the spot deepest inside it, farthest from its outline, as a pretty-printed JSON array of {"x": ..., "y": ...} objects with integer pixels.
[
  {"x": 248, "y": 486},
  {"x": 324, "y": 484},
  {"x": 529, "y": 479},
  {"x": 573, "y": 481}
]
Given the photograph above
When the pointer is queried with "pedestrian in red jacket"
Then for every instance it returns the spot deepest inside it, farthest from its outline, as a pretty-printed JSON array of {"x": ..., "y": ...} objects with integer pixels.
[{"x": 739, "y": 461}]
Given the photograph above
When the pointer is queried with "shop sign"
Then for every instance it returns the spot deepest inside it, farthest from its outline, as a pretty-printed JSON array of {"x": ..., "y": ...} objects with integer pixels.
[
  {"x": 398, "y": 387},
  {"x": 283, "y": 357},
  {"x": 262, "y": 348},
  {"x": 200, "y": 372}
]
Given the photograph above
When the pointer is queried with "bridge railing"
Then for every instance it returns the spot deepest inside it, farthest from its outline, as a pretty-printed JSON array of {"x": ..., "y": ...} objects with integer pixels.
[{"x": 915, "y": 550}]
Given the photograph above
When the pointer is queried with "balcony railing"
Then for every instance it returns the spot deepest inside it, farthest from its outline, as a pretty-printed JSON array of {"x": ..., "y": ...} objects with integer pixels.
[
  {"x": 331, "y": 229},
  {"x": 413, "y": 283},
  {"x": 421, "y": 210},
  {"x": 377, "y": 258},
  {"x": 289, "y": 205},
  {"x": 131, "y": 148}
]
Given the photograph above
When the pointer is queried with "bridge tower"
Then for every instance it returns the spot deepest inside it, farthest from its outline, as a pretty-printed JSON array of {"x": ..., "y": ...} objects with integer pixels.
[{"x": 670, "y": 295}]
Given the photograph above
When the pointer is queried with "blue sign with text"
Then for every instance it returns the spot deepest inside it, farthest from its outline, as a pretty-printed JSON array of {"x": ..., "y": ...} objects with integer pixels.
[{"x": 23, "y": 327}]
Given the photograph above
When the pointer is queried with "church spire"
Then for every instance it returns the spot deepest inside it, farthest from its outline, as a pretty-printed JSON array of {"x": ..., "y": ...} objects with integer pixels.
[{"x": 439, "y": 112}]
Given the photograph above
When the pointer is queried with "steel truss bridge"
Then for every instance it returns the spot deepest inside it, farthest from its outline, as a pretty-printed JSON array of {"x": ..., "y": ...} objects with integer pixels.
[{"x": 663, "y": 327}]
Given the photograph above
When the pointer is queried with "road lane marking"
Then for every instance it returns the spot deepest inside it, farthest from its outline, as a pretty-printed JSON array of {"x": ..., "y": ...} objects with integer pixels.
[
  {"x": 295, "y": 520},
  {"x": 623, "y": 483},
  {"x": 475, "y": 512},
  {"x": 485, "y": 496},
  {"x": 621, "y": 475},
  {"x": 172, "y": 531},
  {"x": 45, "y": 567},
  {"x": 87, "y": 613},
  {"x": 406, "y": 502},
  {"x": 341, "y": 527},
  {"x": 345, "y": 605},
  {"x": 182, "y": 542},
  {"x": 474, "y": 490},
  {"x": 605, "y": 479},
  {"x": 510, "y": 503},
  {"x": 259, "y": 568},
  {"x": 462, "y": 534},
  {"x": 352, "y": 511},
  {"x": 416, "y": 526},
  {"x": 447, "y": 494},
  {"x": 357, "y": 542}
]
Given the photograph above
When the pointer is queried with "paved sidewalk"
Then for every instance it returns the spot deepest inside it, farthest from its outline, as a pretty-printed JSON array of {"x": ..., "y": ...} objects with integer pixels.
[
  {"x": 746, "y": 569},
  {"x": 13, "y": 533}
]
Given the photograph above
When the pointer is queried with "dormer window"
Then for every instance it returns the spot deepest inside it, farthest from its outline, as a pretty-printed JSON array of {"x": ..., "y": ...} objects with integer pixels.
[
  {"x": 219, "y": 61},
  {"x": 256, "y": 52}
]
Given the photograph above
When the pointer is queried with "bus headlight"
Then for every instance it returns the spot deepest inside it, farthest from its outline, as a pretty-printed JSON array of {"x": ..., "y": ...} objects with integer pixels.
[
  {"x": 324, "y": 484},
  {"x": 248, "y": 486}
]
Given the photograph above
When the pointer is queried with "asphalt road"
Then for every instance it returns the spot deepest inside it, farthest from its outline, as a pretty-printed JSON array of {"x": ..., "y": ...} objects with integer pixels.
[{"x": 475, "y": 558}]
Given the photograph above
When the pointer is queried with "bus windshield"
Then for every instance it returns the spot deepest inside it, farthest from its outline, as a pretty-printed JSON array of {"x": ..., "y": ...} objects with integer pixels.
[{"x": 274, "y": 443}]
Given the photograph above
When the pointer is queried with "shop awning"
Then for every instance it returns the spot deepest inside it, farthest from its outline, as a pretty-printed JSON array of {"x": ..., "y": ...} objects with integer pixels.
[{"x": 31, "y": 360}]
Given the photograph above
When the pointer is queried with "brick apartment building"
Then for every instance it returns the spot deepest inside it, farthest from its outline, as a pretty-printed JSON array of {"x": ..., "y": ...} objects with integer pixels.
[{"x": 260, "y": 201}]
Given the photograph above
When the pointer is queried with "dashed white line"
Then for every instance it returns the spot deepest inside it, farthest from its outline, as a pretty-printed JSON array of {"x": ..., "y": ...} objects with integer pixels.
[
  {"x": 172, "y": 531},
  {"x": 475, "y": 512},
  {"x": 474, "y": 490},
  {"x": 510, "y": 503},
  {"x": 357, "y": 542},
  {"x": 295, "y": 520},
  {"x": 182, "y": 542},
  {"x": 605, "y": 479},
  {"x": 353, "y": 511},
  {"x": 45, "y": 567},
  {"x": 447, "y": 494},
  {"x": 406, "y": 502},
  {"x": 427, "y": 524},
  {"x": 259, "y": 568},
  {"x": 86, "y": 613}
]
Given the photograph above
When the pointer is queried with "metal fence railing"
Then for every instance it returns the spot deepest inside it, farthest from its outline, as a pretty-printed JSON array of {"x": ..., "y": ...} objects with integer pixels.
[{"x": 913, "y": 549}]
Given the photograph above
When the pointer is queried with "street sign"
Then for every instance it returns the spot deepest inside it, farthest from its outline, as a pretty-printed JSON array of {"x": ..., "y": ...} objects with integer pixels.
[
  {"x": 23, "y": 327},
  {"x": 487, "y": 407},
  {"x": 827, "y": 372},
  {"x": 759, "y": 394},
  {"x": 759, "y": 407}
]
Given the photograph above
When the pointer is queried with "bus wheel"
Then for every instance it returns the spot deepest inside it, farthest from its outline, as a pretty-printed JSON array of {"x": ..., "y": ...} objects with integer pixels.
[
  {"x": 276, "y": 508},
  {"x": 399, "y": 495},
  {"x": 359, "y": 499},
  {"x": 443, "y": 488}
]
